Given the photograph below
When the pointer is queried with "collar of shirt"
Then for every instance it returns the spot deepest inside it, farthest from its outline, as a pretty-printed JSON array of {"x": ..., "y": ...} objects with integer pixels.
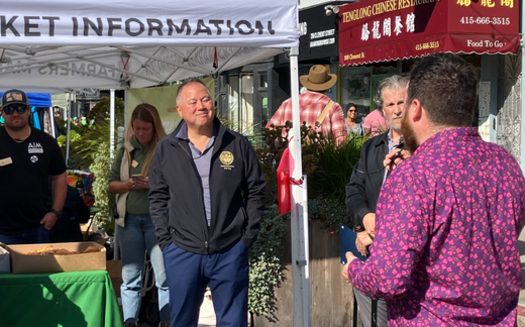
[
  {"x": 314, "y": 92},
  {"x": 449, "y": 134},
  {"x": 183, "y": 135},
  {"x": 391, "y": 144},
  {"x": 135, "y": 143}
]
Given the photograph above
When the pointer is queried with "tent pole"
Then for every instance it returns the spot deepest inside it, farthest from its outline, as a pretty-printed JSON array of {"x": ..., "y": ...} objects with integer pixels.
[
  {"x": 112, "y": 124},
  {"x": 299, "y": 218},
  {"x": 52, "y": 115},
  {"x": 126, "y": 94},
  {"x": 522, "y": 147},
  {"x": 68, "y": 116}
]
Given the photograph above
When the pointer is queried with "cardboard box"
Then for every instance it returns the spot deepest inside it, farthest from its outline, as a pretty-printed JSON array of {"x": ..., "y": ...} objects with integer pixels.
[
  {"x": 5, "y": 264},
  {"x": 21, "y": 263},
  {"x": 114, "y": 268}
]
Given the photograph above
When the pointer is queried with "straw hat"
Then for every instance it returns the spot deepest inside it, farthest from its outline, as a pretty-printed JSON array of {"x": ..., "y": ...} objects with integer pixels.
[{"x": 318, "y": 79}]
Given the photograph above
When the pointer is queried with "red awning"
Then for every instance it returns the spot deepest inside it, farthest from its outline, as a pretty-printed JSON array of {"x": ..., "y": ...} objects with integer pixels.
[{"x": 379, "y": 30}]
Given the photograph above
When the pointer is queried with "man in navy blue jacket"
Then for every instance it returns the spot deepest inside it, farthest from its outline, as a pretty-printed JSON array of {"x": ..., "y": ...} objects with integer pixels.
[{"x": 206, "y": 200}]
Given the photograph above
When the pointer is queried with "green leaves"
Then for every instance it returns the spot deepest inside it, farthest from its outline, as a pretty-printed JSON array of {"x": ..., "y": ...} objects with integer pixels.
[
  {"x": 334, "y": 168},
  {"x": 329, "y": 167},
  {"x": 101, "y": 111},
  {"x": 101, "y": 167},
  {"x": 266, "y": 269}
]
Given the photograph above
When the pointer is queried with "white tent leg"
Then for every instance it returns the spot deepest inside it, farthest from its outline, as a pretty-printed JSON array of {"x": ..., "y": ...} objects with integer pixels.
[
  {"x": 52, "y": 115},
  {"x": 68, "y": 116},
  {"x": 299, "y": 220},
  {"x": 111, "y": 150},
  {"x": 126, "y": 94},
  {"x": 112, "y": 124}
]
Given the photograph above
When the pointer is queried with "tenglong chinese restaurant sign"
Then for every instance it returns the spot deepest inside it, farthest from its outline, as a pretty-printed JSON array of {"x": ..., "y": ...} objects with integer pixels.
[{"x": 373, "y": 30}]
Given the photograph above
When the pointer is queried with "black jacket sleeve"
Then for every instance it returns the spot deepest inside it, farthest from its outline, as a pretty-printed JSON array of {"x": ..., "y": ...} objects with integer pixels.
[
  {"x": 367, "y": 177},
  {"x": 159, "y": 197},
  {"x": 253, "y": 186},
  {"x": 356, "y": 199}
]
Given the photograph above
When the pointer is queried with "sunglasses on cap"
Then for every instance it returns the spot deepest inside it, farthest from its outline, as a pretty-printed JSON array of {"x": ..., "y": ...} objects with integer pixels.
[{"x": 9, "y": 110}]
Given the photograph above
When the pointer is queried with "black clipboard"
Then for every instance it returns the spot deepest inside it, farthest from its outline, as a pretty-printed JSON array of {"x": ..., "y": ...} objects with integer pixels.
[{"x": 347, "y": 243}]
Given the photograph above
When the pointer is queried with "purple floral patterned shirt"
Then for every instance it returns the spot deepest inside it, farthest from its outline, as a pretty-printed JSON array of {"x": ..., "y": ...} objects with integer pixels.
[{"x": 446, "y": 250}]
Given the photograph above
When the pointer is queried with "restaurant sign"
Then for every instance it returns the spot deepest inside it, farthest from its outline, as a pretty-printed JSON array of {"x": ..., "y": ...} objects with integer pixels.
[{"x": 374, "y": 31}]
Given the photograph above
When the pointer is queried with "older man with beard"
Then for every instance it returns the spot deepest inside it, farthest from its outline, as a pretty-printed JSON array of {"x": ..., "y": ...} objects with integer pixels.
[
  {"x": 448, "y": 218},
  {"x": 369, "y": 175}
]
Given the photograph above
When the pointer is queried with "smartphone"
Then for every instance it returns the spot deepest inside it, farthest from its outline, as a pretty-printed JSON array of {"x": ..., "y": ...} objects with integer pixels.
[
  {"x": 394, "y": 157},
  {"x": 398, "y": 153},
  {"x": 137, "y": 176}
]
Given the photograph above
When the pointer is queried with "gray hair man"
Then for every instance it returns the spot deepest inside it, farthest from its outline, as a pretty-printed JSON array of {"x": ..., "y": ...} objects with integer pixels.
[{"x": 369, "y": 175}]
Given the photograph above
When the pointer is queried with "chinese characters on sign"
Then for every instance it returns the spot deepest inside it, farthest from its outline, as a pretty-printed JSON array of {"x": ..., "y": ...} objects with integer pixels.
[
  {"x": 386, "y": 27},
  {"x": 385, "y": 30},
  {"x": 398, "y": 29},
  {"x": 488, "y": 3},
  {"x": 399, "y": 26}
]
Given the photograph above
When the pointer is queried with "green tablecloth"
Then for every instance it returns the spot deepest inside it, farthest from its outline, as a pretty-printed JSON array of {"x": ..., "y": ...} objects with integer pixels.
[{"x": 68, "y": 299}]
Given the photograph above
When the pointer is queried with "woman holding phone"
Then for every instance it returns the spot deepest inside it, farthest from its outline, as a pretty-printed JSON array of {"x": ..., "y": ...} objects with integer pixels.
[{"x": 135, "y": 230}]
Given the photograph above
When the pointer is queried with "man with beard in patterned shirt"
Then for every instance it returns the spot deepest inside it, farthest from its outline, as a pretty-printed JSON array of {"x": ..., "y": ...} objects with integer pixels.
[{"x": 448, "y": 217}]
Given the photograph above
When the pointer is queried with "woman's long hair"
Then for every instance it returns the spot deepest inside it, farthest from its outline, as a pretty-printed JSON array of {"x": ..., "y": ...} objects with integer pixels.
[{"x": 149, "y": 114}]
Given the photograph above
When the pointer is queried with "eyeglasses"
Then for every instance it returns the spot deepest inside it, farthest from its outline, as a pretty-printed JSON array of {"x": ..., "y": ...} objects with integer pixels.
[
  {"x": 352, "y": 110},
  {"x": 9, "y": 110}
]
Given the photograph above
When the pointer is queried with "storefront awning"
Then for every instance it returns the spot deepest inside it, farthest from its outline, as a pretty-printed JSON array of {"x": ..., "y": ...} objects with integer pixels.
[{"x": 379, "y": 30}]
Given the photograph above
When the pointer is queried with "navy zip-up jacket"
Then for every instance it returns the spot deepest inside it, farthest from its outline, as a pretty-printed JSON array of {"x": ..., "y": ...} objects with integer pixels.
[{"x": 236, "y": 190}]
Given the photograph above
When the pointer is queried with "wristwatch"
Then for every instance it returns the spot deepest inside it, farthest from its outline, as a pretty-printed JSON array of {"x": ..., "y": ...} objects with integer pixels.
[{"x": 57, "y": 213}]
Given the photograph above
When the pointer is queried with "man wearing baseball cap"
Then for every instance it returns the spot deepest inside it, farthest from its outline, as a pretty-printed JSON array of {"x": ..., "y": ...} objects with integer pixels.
[
  {"x": 29, "y": 159},
  {"x": 317, "y": 110}
]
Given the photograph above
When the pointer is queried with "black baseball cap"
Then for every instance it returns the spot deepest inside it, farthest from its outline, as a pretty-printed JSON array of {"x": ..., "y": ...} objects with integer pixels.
[{"x": 14, "y": 97}]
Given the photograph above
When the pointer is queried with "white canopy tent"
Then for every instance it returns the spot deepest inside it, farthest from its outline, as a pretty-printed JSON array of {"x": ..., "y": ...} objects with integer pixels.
[
  {"x": 114, "y": 44},
  {"x": 68, "y": 45}
]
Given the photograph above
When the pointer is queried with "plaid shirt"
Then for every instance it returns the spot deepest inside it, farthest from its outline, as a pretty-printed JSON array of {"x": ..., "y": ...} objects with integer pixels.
[{"x": 311, "y": 105}]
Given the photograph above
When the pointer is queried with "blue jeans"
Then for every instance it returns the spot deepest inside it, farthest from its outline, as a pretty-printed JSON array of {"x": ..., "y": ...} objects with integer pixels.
[
  {"x": 134, "y": 239},
  {"x": 39, "y": 235}
]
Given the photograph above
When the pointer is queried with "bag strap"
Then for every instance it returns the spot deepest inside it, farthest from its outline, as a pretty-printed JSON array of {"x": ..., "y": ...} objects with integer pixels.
[
  {"x": 323, "y": 114},
  {"x": 131, "y": 156}
]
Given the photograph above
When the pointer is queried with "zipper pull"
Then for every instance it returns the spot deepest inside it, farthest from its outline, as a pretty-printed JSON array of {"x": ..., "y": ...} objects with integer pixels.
[{"x": 206, "y": 244}]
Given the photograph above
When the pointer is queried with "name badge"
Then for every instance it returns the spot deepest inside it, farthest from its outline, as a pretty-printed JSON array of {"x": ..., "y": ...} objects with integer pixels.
[
  {"x": 134, "y": 164},
  {"x": 6, "y": 161}
]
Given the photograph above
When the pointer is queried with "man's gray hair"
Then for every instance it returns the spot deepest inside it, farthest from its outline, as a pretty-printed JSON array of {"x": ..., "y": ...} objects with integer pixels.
[
  {"x": 190, "y": 81},
  {"x": 395, "y": 82}
]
